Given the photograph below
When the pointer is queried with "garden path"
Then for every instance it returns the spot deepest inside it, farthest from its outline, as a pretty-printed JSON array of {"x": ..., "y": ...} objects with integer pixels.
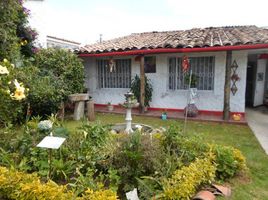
[{"x": 257, "y": 119}]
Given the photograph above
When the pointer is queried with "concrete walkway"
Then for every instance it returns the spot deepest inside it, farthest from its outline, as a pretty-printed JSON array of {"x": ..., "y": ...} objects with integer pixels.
[{"x": 258, "y": 122}]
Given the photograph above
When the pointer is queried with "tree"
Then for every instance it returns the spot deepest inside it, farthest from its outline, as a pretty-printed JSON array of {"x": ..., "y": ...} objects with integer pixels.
[{"x": 16, "y": 37}]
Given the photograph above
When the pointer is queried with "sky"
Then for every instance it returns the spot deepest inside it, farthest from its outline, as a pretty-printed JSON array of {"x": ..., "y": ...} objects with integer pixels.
[{"x": 84, "y": 20}]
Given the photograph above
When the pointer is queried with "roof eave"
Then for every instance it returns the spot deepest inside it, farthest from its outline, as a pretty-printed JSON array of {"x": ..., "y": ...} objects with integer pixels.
[{"x": 175, "y": 50}]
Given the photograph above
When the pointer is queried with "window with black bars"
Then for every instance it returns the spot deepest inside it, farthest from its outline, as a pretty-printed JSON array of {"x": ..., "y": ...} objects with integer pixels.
[
  {"x": 118, "y": 77},
  {"x": 202, "y": 67}
]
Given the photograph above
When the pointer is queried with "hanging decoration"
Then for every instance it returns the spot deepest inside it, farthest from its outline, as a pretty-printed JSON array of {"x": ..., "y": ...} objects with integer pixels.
[
  {"x": 234, "y": 77},
  {"x": 185, "y": 64},
  {"x": 111, "y": 65}
]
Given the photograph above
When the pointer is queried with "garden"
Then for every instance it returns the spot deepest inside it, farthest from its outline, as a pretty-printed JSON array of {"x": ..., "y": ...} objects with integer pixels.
[{"x": 94, "y": 162}]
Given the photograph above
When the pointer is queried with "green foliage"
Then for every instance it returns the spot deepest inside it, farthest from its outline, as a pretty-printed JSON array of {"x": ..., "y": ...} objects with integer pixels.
[
  {"x": 184, "y": 182},
  {"x": 64, "y": 66},
  {"x": 230, "y": 161},
  {"x": 18, "y": 185},
  {"x": 45, "y": 95},
  {"x": 57, "y": 74},
  {"x": 161, "y": 165},
  {"x": 7, "y": 103},
  {"x": 135, "y": 155},
  {"x": 9, "y": 12},
  {"x": 194, "y": 80},
  {"x": 93, "y": 141},
  {"x": 135, "y": 88},
  {"x": 16, "y": 38}
]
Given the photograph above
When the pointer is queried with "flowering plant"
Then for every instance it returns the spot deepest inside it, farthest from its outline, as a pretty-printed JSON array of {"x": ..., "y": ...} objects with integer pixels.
[
  {"x": 45, "y": 125},
  {"x": 8, "y": 84}
]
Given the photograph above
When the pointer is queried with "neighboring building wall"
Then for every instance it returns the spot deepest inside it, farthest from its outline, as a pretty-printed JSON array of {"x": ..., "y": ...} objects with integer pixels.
[
  {"x": 60, "y": 43},
  {"x": 165, "y": 98}
]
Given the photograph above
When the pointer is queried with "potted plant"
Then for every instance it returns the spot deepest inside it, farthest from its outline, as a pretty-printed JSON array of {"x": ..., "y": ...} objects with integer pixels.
[
  {"x": 110, "y": 107},
  {"x": 194, "y": 79},
  {"x": 164, "y": 115},
  {"x": 135, "y": 89}
]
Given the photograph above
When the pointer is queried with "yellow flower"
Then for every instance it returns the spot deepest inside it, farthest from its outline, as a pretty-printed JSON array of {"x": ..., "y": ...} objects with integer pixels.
[
  {"x": 19, "y": 92},
  {"x": 24, "y": 42},
  {"x": 5, "y": 60},
  {"x": 3, "y": 70}
]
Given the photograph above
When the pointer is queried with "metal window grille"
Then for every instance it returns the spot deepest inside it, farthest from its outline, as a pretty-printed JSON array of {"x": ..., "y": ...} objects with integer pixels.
[
  {"x": 119, "y": 77},
  {"x": 202, "y": 67}
]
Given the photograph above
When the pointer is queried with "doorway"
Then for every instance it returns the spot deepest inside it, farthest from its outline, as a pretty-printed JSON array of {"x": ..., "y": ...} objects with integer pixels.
[
  {"x": 250, "y": 86},
  {"x": 256, "y": 81}
]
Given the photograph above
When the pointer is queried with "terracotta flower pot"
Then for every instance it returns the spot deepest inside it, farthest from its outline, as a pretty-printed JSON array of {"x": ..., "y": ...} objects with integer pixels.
[{"x": 204, "y": 195}]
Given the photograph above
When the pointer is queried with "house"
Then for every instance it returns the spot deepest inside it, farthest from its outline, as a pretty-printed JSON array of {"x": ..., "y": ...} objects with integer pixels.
[
  {"x": 230, "y": 62},
  {"x": 38, "y": 21},
  {"x": 55, "y": 42}
]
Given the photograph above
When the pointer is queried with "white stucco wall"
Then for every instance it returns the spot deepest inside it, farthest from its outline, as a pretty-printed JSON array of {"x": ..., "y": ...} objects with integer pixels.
[{"x": 165, "y": 98}]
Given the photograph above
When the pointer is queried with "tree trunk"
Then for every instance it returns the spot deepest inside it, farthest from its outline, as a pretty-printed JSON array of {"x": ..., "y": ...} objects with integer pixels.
[
  {"x": 142, "y": 84},
  {"x": 227, "y": 85}
]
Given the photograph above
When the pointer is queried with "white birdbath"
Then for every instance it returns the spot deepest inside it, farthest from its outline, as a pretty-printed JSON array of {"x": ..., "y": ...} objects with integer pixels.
[
  {"x": 79, "y": 100},
  {"x": 130, "y": 103}
]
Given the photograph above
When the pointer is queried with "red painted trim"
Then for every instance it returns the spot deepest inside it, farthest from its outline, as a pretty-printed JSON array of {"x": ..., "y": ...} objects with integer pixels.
[
  {"x": 205, "y": 112},
  {"x": 263, "y": 56},
  {"x": 174, "y": 50}
]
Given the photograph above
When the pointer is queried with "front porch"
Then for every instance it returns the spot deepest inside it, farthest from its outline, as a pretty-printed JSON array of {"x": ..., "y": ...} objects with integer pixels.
[{"x": 203, "y": 116}]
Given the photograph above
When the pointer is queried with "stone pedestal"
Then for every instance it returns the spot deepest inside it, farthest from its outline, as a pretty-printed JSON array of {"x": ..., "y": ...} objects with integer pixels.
[
  {"x": 128, "y": 121},
  {"x": 79, "y": 110},
  {"x": 90, "y": 110},
  {"x": 79, "y": 100}
]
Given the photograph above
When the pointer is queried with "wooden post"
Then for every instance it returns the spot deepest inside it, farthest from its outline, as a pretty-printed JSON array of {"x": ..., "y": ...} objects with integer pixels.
[
  {"x": 142, "y": 84},
  {"x": 227, "y": 85},
  {"x": 90, "y": 110}
]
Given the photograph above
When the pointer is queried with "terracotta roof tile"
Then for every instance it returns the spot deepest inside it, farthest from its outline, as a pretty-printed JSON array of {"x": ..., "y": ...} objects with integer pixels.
[{"x": 196, "y": 37}]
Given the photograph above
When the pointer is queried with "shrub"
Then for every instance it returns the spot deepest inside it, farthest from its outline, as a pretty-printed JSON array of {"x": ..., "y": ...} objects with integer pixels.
[
  {"x": 62, "y": 65},
  {"x": 230, "y": 161},
  {"x": 135, "y": 155},
  {"x": 18, "y": 185},
  {"x": 45, "y": 96},
  {"x": 184, "y": 182}
]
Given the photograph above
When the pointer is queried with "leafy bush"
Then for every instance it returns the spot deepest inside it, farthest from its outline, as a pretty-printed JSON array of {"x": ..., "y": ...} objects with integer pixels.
[
  {"x": 64, "y": 66},
  {"x": 18, "y": 185},
  {"x": 230, "y": 161},
  {"x": 135, "y": 155},
  {"x": 184, "y": 182},
  {"x": 45, "y": 96}
]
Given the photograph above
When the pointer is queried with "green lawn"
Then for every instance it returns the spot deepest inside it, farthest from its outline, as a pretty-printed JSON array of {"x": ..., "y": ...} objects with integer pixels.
[{"x": 251, "y": 187}]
